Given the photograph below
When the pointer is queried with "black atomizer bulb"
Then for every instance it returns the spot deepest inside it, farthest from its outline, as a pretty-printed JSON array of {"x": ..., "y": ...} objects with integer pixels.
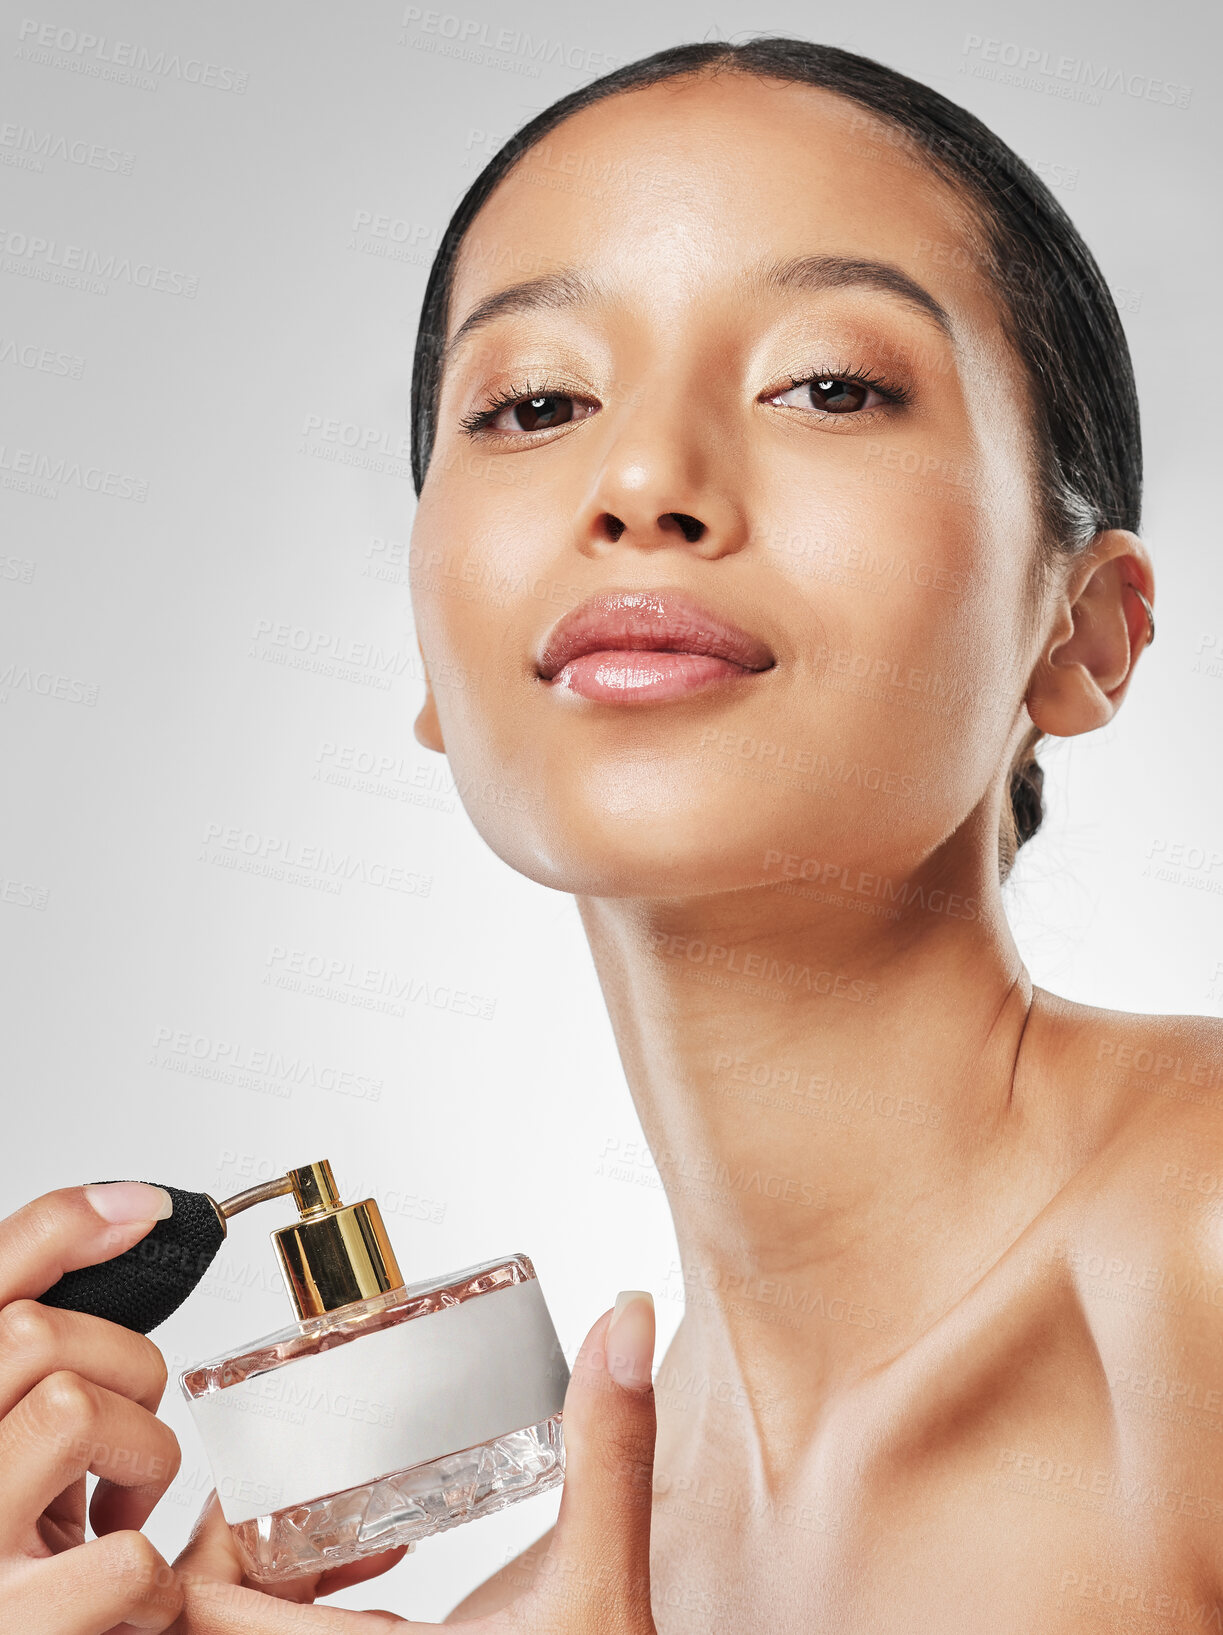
[{"x": 141, "y": 1287}]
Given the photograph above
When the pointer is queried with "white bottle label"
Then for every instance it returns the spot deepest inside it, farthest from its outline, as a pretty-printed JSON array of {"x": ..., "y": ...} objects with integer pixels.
[{"x": 379, "y": 1404}]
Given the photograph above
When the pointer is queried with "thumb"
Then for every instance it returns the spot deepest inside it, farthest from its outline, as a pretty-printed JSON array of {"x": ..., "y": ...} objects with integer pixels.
[
  {"x": 210, "y": 1553},
  {"x": 210, "y": 1559},
  {"x": 212, "y": 1573},
  {"x": 600, "y": 1552},
  {"x": 71, "y": 1228}
]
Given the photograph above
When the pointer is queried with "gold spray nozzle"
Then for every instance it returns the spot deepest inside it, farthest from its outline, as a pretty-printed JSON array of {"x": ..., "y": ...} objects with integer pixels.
[{"x": 336, "y": 1253}]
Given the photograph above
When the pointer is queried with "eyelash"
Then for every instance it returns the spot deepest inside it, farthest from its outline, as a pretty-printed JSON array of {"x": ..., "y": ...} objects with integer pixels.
[
  {"x": 475, "y": 422},
  {"x": 891, "y": 390},
  {"x": 479, "y": 418}
]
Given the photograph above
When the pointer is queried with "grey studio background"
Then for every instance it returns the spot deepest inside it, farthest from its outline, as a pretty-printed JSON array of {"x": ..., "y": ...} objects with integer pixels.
[{"x": 208, "y": 652}]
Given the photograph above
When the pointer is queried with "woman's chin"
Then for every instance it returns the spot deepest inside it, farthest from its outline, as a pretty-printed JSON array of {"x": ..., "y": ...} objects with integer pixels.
[{"x": 597, "y": 854}]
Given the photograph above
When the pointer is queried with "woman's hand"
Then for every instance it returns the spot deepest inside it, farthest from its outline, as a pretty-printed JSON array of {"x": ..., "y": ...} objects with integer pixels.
[
  {"x": 596, "y": 1574},
  {"x": 79, "y": 1394}
]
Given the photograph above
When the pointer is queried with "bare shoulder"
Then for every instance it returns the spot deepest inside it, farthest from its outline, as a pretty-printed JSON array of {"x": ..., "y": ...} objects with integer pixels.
[
  {"x": 1142, "y": 1098},
  {"x": 1122, "y": 1087},
  {"x": 505, "y": 1585},
  {"x": 1143, "y": 1233}
]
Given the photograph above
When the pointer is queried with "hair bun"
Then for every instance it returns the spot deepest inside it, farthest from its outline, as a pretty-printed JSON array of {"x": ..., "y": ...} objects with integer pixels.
[{"x": 1027, "y": 797}]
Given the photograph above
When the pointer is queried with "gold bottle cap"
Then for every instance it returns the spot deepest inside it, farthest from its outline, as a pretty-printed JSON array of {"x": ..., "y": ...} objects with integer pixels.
[{"x": 336, "y": 1253}]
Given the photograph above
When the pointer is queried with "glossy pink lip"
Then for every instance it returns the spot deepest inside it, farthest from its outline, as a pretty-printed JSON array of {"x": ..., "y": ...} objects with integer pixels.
[{"x": 649, "y": 646}]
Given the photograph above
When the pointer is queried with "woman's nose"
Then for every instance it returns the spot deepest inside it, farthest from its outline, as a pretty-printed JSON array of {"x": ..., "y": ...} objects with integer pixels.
[
  {"x": 691, "y": 527},
  {"x": 664, "y": 482}
]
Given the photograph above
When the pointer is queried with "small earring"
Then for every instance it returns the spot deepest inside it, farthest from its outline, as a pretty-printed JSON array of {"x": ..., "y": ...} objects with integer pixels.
[{"x": 1150, "y": 615}]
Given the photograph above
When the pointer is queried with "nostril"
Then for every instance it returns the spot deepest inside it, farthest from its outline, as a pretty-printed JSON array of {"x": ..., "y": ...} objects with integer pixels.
[{"x": 690, "y": 527}]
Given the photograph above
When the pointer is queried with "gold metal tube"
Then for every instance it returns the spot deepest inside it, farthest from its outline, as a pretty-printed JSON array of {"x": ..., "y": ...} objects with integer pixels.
[{"x": 336, "y": 1253}]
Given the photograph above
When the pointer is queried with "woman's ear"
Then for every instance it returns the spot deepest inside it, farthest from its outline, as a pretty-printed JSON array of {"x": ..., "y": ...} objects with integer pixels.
[
  {"x": 428, "y": 728},
  {"x": 1092, "y": 647}
]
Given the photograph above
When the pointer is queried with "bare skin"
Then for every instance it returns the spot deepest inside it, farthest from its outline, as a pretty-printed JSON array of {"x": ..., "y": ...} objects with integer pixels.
[
  {"x": 1041, "y": 1455},
  {"x": 932, "y": 1219},
  {"x": 891, "y": 1442},
  {"x": 79, "y": 1395}
]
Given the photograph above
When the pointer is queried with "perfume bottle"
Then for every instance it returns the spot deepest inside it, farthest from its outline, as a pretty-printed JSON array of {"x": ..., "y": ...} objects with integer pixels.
[{"x": 387, "y": 1411}]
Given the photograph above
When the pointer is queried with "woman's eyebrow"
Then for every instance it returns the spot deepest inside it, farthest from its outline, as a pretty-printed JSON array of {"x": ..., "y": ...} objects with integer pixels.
[
  {"x": 824, "y": 272},
  {"x": 572, "y": 287}
]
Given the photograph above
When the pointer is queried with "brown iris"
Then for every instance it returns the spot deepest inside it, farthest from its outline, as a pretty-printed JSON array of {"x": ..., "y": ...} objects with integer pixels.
[
  {"x": 838, "y": 396},
  {"x": 537, "y": 413}
]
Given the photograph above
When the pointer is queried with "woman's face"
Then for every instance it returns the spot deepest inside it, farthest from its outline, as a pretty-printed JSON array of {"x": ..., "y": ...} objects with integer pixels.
[{"x": 773, "y": 384}]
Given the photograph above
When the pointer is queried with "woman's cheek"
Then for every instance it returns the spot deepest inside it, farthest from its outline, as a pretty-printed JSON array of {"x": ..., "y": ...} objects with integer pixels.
[
  {"x": 474, "y": 668},
  {"x": 882, "y": 584},
  {"x": 452, "y": 587}
]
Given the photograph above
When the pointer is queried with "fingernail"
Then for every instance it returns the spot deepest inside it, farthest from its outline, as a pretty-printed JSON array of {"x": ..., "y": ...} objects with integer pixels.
[
  {"x": 121, "y": 1202},
  {"x": 630, "y": 1339}
]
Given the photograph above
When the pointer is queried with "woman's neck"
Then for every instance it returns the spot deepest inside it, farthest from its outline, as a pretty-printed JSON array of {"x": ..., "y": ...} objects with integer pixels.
[{"x": 835, "y": 1101}]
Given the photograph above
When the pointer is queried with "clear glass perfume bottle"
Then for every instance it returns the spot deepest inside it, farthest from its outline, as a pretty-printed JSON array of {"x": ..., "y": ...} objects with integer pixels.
[{"x": 324, "y": 1450}]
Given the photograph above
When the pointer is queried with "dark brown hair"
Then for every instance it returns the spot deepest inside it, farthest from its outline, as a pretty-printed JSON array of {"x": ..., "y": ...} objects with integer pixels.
[{"x": 1058, "y": 312}]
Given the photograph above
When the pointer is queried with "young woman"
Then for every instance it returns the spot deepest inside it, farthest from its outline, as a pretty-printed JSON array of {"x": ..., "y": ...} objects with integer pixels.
[{"x": 778, "y": 465}]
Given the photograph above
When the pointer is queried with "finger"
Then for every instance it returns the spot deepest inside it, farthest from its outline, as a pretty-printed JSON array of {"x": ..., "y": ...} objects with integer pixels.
[
  {"x": 115, "y": 1507},
  {"x": 211, "y": 1555},
  {"x": 62, "y": 1524},
  {"x": 73, "y": 1227},
  {"x": 66, "y": 1426},
  {"x": 600, "y": 1554},
  {"x": 210, "y": 1608},
  {"x": 37, "y": 1340},
  {"x": 357, "y": 1572},
  {"x": 120, "y": 1580}
]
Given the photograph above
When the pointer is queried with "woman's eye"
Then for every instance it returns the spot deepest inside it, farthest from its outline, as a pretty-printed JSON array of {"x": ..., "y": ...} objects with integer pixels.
[
  {"x": 830, "y": 395},
  {"x": 536, "y": 413}
]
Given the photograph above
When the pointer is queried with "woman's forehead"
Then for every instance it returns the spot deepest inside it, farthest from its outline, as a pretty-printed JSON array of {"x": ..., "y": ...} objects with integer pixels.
[{"x": 698, "y": 180}]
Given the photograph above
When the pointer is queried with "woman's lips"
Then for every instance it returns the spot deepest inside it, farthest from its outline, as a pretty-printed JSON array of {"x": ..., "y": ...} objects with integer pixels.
[
  {"x": 625, "y": 647},
  {"x": 623, "y": 677}
]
